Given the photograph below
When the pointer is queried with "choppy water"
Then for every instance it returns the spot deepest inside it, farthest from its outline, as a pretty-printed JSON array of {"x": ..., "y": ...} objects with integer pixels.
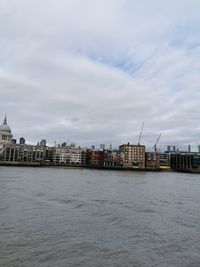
[{"x": 79, "y": 217}]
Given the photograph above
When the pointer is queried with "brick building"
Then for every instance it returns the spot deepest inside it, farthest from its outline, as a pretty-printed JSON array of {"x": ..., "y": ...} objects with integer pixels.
[
  {"x": 95, "y": 157},
  {"x": 112, "y": 158},
  {"x": 133, "y": 155}
]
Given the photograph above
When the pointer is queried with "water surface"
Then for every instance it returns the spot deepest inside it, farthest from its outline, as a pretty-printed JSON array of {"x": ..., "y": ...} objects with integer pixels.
[{"x": 79, "y": 217}]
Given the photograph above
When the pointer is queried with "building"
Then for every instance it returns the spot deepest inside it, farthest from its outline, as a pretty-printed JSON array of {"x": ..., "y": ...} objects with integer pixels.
[
  {"x": 152, "y": 160},
  {"x": 43, "y": 143},
  {"x": 185, "y": 161},
  {"x": 69, "y": 155},
  {"x": 23, "y": 154},
  {"x": 133, "y": 155},
  {"x": 171, "y": 148},
  {"x": 14, "y": 141},
  {"x": 5, "y": 133},
  {"x": 22, "y": 141},
  {"x": 16, "y": 153},
  {"x": 112, "y": 158},
  {"x": 194, "y": 148},
  {"x": 95, "y": 158},
  {"x": 164, "y": 159}
]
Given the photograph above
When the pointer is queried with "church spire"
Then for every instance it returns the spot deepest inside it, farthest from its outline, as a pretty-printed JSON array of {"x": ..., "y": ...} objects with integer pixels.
[{"x": 5, "y": 120}]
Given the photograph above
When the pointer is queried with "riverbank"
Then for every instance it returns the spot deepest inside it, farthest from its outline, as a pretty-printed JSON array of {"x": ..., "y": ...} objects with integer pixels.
[{"x": 40, "y": 165}]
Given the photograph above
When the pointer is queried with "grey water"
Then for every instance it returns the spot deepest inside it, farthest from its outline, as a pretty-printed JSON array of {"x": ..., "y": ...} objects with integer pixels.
[{"x": 80, "y": 217}]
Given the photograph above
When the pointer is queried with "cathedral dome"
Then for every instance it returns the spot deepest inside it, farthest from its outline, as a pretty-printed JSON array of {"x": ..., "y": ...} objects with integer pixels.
[
  {"x": 5, "y": 133},
  {"x": 4, "y": 128}
]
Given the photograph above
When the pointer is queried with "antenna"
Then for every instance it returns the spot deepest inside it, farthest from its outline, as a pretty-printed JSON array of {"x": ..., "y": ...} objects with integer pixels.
[{"x": 140, "y": 134}]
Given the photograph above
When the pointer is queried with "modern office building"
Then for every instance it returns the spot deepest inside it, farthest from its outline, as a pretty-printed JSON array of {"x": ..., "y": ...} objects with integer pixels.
[
  {"x": 185, "y": 162},
  {"x": 171, "y": 148},
  {"x": 195, "y": 148},
  {"x": 24, "y": 154}
]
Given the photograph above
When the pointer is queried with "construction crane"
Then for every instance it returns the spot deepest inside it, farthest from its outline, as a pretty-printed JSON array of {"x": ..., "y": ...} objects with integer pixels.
[
  {"x": 155, "y": 146},
  {"x": 140, "y": 134}
]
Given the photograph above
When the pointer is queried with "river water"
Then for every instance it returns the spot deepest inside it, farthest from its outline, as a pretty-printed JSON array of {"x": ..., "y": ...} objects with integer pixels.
[{"x": 80, "y": 217}]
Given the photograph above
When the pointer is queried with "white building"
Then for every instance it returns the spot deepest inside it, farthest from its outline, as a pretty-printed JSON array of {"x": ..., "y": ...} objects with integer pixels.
[
  {"x": 5, "y": 135},
  {"x": 69, "y": 156}
]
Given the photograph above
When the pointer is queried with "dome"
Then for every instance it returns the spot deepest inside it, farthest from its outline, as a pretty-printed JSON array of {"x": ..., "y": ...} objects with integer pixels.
[
  {"x": 5, "y": 133},
  {"x": 4, "y": 127}
]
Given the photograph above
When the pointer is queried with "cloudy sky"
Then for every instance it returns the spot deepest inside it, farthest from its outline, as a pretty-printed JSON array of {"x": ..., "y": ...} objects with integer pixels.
[{"x": 92, "y": 71}]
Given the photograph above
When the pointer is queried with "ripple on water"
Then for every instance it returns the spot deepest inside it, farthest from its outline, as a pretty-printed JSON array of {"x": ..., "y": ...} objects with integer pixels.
[
  {"x": 61, "y": 200},
  {"x": 41, "y": 194},
  {"x": 76, "y": 220},
  {"x": 147, "y": 211}
]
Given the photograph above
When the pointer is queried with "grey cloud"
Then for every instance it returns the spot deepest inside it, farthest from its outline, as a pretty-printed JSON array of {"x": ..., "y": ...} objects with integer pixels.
[{"x": 61, "y": 78}]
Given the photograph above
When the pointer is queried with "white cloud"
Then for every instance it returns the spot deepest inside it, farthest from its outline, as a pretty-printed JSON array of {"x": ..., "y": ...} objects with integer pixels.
[{"x": 92, "y": 71}]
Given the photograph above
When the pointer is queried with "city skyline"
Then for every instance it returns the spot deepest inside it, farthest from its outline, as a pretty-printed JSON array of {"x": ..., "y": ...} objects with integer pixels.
[
  {"x": 7, "y": 135},
  {"x": 92, "y": 73}
]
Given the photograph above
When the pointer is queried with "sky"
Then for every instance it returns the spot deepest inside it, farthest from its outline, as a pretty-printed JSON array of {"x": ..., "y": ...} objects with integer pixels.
[{"x": 90, "y": 72}]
